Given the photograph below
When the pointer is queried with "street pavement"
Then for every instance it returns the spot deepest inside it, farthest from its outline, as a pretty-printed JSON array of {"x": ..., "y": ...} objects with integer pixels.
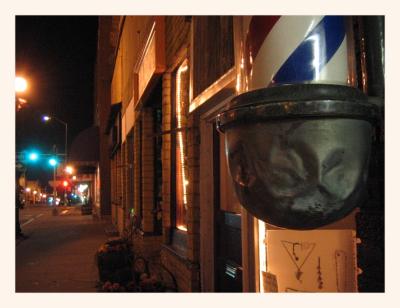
[{"x": 58, "y": 254}]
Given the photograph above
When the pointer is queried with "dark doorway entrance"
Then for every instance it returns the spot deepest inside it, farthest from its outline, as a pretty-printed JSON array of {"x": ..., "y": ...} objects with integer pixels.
[{"x": 228, "y": 226}]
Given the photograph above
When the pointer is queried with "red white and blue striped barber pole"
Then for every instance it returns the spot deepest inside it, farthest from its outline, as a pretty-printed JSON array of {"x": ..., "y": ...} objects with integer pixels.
[
  {"x": 298, "y": 134},
  {"x": 279, "y": 50}
]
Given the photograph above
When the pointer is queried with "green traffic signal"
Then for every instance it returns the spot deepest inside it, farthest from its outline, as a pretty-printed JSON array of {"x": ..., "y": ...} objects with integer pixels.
[
  {"x": 33, "y": 156},
  {"x": 53, "y": 161}
]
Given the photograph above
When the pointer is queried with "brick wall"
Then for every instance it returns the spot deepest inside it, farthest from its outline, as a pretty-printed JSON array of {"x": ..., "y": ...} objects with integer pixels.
[
  {"x": 166, "y": 157},
  {"x": 119, "y": 177},
  {"x": 147, "y": 170},
  {"x": 120, "y": 219},
  {"x": 113, "y": 191},
  {"x": 193, "y": 213},
  {"x": 103, "y": 73},
  {"x": 121, "y": 170},
  {"x": 147, "y": 246},
  {"x": 117, "y": 189},
  {"x": 185, "y": 272},
  {"x": 129, "y": 178},
  {"x": 184, "y": 267},
  {"x": 125, "y": 183},
  {"x": 137, "y": 168}
]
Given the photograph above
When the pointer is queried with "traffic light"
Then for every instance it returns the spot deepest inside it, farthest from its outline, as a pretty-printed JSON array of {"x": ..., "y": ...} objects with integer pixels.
[
  {"x": 33, "y": 156},
  {"x": 53, "y": 161}
]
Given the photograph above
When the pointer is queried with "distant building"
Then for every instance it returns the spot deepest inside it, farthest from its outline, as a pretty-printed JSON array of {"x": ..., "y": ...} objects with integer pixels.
[{"x": 84, "y": 160}]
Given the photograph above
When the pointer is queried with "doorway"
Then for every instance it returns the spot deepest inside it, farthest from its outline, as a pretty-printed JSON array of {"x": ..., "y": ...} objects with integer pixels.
[{"x": 221, "y": 221}]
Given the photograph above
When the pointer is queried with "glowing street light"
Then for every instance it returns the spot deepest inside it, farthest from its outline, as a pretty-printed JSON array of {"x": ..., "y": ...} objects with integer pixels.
[
  {"x": 20, "y": 84},
  {"x": 20, "y": 102},
  {"x": 69, "y": 170}
]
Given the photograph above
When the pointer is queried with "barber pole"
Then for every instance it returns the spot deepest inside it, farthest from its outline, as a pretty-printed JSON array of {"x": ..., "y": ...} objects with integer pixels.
[
  {"x": 279, "y": 50},
  {"x": 297, "y": 141}
]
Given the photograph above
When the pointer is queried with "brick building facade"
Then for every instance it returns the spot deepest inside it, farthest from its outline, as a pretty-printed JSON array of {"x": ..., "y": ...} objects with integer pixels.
[{"x": 162, "y": 160}]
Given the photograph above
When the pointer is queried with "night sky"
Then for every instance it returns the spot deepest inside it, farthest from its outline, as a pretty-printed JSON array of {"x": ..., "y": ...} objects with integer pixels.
[{"x": 56, "y": 54}]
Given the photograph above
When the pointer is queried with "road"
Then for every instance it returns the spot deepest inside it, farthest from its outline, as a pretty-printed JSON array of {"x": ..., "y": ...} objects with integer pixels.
[{"x": 58, "y": 255}]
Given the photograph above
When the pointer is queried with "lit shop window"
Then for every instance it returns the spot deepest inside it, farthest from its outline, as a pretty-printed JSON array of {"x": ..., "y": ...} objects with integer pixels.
[{"x": 181, "y": 172}]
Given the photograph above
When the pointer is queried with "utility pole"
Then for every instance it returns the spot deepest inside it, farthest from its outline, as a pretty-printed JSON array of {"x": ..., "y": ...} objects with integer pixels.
[{"x": 54, "y": 175}]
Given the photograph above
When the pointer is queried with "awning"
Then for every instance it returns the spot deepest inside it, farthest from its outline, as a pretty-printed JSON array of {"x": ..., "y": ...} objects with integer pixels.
[{"x": 85, "y": 147}]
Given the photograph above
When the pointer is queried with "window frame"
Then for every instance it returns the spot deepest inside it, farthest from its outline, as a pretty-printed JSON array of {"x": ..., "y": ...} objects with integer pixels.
[{"x": 221, "y": 82}]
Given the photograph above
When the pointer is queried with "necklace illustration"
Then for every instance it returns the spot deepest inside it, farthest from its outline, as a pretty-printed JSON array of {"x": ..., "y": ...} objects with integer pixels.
[
  {"x": 319, "y": 273},
  {"x": 298, "y": 253},
  {"x": 341, "y": 270}
]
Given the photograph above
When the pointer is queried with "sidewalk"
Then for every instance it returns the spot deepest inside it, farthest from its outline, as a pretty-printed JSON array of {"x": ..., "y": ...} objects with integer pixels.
[{"x": 59, "y": 255}]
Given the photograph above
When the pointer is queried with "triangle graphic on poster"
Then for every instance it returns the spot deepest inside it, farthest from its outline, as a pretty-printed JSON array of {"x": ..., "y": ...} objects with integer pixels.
[{"x": 298, "y": 252}]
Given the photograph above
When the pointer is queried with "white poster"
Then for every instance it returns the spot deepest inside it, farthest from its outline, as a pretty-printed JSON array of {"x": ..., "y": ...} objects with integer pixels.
[{"x": 312, "y": 261}]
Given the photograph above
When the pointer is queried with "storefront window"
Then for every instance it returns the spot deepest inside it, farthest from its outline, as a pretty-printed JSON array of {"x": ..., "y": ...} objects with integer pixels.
[{"x": 180, "y": 114}]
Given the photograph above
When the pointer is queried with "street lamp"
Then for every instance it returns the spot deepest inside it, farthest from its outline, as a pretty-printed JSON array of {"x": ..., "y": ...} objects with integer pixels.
[
  {"x": 69, "y": 169},
  {"x": 20, "y": 84},
  {"x": 47, "y": 118},
  {"x": 34, "y": 196}
]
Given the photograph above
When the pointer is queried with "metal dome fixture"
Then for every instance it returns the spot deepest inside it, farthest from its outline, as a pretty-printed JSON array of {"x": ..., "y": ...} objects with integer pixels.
[{"x": 298, "y": 154}]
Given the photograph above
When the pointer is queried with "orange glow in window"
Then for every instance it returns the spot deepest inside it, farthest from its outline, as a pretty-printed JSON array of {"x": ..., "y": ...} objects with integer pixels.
[{"x": 181, "y": 169}]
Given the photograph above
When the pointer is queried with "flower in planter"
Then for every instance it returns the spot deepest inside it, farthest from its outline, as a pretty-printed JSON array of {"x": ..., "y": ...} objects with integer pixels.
[
  {"x": 115, "y": 287},
  {"x": 103, "y": 249},
  {"x": 143, "y": 276},
  {"x": 131, "y": 286},
  {"x": 150, "y": 284},
  {"x": 107, "y": 286}
]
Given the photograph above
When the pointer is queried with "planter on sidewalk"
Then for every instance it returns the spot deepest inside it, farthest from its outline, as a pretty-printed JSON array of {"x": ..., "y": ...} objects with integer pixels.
[
  {"x": 114, "y": 261},
  {"x": 119, "y": 271}
]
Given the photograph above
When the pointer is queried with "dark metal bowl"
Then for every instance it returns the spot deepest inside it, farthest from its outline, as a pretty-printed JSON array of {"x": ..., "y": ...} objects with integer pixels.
[{"x": 298, "y": 154}]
